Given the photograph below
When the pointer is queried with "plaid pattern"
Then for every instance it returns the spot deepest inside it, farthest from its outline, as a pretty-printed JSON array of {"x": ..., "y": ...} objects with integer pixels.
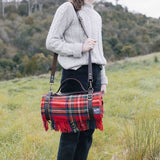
[{"x": 70, "y": 113}]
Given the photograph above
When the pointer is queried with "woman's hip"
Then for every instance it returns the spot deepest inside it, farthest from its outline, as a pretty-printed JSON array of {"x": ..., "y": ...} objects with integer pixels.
[{"x": 81, "y": 74}]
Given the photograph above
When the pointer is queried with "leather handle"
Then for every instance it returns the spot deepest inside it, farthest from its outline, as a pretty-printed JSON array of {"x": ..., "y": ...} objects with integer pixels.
[{"x": 67, "y": 79}]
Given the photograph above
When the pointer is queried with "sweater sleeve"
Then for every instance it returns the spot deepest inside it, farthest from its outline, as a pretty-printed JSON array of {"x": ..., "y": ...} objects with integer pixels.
[
  {"x": 104, "y": 78},
  {"x": 55, "y": 41}
]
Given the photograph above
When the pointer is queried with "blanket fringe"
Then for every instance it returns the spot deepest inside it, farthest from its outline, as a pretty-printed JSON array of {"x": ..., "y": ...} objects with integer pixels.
[
  {"x": 66, "y": 127},
  {"x": 45, "y": 122}
]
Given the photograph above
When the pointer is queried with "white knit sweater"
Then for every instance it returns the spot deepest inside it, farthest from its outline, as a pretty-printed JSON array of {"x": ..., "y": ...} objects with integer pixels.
[{"x": 66, "y": 37}]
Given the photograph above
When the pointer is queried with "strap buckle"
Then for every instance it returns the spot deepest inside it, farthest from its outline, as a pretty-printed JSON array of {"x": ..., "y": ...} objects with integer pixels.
[
  {"x": 90, "y": 97},
  {"x": 52, "y": 78},
  {"x": 51, "y": 86},
  {"x": 75, "y": 129},
  {"x": 51, "y": 81},
  {"x": 90, "y": 84}
]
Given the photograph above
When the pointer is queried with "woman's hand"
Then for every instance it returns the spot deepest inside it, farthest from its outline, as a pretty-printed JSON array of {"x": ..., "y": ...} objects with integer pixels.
[
  {"x": 88, "y": 44},
  {"x": 103, "y": 89}
]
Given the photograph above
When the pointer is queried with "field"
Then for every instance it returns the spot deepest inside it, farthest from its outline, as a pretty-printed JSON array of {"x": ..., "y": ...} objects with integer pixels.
[{"x": 131, "y": 118}]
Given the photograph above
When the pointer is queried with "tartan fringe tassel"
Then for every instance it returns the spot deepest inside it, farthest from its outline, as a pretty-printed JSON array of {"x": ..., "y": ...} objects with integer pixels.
[
  {"x": 74, "y": 126},
  {"x": 45, "y": 122}
]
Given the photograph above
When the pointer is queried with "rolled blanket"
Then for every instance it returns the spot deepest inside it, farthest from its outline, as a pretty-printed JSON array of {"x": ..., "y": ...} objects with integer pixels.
[{"x": 70, "y": 113}]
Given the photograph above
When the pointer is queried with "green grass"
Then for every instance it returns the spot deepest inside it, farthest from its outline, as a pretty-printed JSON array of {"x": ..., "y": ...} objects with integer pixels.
[{"x": 131, "y": 117}]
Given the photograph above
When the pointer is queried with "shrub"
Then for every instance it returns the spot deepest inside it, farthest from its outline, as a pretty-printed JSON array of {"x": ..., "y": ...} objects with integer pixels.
[
  {"x": 29, "y": 20},
  {"x": 5, "y": 63},
  {"x": 156, "y": 59},
  {"x": 32, "y": 66},
  {"x": 3, "y": 48},
  {"x": 23, "y": 9},
  {"x": 128, "y": 51}
]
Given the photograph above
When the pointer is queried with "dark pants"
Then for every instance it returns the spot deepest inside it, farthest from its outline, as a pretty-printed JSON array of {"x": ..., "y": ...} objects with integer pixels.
[{"x": 75, "y": 146}]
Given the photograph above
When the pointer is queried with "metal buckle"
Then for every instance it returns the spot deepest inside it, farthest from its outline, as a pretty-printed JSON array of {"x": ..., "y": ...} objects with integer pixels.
[
  {"x": 90, "y": 84},
  {"x": 51, "y": 86},
  {"x": 89, "y": 96},
  {"x": 75, "y": 129}
]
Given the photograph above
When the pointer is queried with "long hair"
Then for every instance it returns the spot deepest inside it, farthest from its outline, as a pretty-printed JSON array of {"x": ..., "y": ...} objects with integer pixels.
[{"x": 77, "y": 4}]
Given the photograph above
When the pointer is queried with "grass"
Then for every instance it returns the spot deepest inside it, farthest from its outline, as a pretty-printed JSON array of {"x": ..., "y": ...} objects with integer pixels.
[{"x": 131, "y": 117}]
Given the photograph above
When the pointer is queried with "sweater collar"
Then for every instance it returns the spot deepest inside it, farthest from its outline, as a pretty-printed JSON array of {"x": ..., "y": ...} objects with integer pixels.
[{"x": 88, "y": 5}]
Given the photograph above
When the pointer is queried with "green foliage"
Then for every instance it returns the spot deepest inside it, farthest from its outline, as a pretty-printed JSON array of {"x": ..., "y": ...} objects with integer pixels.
[
  {"x": 23, "y": 9},
  {"x": 121, "y": 27},
  {"x": 156, "y": 45},
  {"x": 29, "y": 20},
  {"x": 156, "y": 59},
  {"x": 10, "y": 9},
  {"x": 124, "y": 34},
  {"x": 128, "y": 51},
  {"x": 3, "y": 48},
  {"x": 17, "y": 58},
  {"x": 113, "y": 42},
  {"x": 7, "y": 63},
  {"x": 12, "y": 16},
  {"x": 32, "y": 66}
]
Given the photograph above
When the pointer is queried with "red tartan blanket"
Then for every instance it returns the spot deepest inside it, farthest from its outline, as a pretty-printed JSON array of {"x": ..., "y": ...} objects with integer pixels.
[{"x": 70, "y": 113}]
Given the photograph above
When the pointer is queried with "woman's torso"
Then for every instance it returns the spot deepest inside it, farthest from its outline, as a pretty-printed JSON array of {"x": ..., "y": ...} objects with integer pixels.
[{"x": 74, "y": 33}]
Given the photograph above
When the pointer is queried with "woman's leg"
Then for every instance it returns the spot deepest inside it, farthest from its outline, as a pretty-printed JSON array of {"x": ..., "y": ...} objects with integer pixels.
[
  {"x": 84, "y": 144},
  {"x": 77, "y": 145},
  {"x": 67, "y": 146},
  {"x": 68, "y": 141},
  {"x": 86, "y": 137}
]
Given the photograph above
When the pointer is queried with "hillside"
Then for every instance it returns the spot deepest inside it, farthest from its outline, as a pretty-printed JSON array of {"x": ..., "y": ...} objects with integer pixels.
[
  {"x": 131, "y": 115},
  {"x": 22, "y": 37}
]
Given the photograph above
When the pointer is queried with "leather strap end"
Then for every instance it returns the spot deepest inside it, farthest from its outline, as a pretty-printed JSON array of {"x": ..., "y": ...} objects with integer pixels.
[{"x": 52, "y": 78}]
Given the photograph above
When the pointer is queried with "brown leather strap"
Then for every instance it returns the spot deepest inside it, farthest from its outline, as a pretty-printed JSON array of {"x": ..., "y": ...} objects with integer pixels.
[
  {"x": 71, "y": 79},
  {"x": 90, "y": 76},
  {"x": 46, "y": 105},
  {"x": 53, "y": 68},
  {"x": 90, "y": 97},
  {"x": 69, "y": 93}
]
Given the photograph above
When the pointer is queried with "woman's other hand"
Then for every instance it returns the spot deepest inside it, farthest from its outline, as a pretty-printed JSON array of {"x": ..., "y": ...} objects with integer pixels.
[
  {"x": 88, "y": 44},
  {"x": 103, "y": 89}
]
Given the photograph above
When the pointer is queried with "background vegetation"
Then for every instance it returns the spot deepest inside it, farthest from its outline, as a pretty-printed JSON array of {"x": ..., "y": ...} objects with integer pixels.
[
  {"x": 22, "y": 37},
  {"x": 131, "y": 115}
]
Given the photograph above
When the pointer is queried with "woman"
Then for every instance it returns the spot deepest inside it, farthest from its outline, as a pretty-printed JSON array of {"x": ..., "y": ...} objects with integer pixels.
[{"x": 67, "y": 38}]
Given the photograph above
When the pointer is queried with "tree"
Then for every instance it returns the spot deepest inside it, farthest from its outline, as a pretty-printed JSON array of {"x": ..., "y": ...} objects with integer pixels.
[
  {"x": 2, "y": 7},
  {"x": 128, "y": 51},
  {"x": 116, "y": 2},
  {"x": 32, "y": 66}
]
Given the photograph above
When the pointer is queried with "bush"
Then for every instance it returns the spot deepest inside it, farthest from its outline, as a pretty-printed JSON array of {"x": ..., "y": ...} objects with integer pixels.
[
  {"x": 3, "y": 48},
  {"x": 29, "y": 20},
  {"x": 31, "y": 67},
  {"x": 10, "y": 9},
  {"x": 23, "y": 9},
  {"x": 5, "y": 63},
  {"x": 156, "y": 59},
  {"x": 128, "y": 51},
  {"x": 156, "y": 46}
]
